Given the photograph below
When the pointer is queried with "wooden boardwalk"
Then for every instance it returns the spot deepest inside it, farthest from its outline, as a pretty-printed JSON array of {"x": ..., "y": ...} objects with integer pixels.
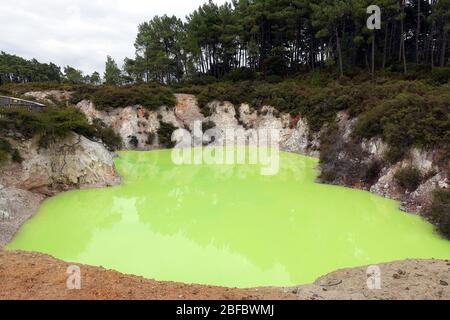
[{"x": 16, "y": 103}]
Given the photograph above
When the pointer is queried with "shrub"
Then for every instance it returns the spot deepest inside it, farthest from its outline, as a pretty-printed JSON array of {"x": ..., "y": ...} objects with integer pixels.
[
  {"x": 107, "y": 135},
  {"x": 7, "y": 151},
  {"x": 242, "y": 74},
  {"x": 165, "y": 135},
  {"x": 373, "y": 171},
  {"x": 394, "y": 154},
  {"x": 82, "y": 93},
  {"x": 207, "y": 125},
  {"x": 408, "y": 119},
  {"x": 21, "y": 88},
  {"x": 3, "y": 156},
  {"x": 440, "y": 75},
  {"x": 133, "y": 141},
  {"x": 150, "y": 96},
  {"x": 328, "y": 176},
  {"x": 151, "y": 138},
  {"x": 16, "y": 157},
  {"x": 51, "y": 124},
  {"x": 408, "y": 178},
  {"x": 439, "y": 212}
]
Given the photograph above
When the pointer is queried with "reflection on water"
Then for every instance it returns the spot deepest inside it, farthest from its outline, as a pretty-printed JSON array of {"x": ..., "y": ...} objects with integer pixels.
[{"x": 226, "y": 225}]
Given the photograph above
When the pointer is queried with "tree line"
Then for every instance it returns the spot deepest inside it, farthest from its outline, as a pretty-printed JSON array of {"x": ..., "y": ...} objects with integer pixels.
[
  {"x": 14, "y": 69},
  {"x": 276, "y": 37},
  {"x": 245, "y": 38}
]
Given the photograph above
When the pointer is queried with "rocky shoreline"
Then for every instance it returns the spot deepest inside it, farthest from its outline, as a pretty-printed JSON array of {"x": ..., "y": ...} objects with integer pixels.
[{"x": 74, "y": 163}]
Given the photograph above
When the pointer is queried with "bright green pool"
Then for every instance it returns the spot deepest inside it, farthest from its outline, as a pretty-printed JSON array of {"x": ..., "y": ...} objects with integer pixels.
[{"x": 225, "y": 225}]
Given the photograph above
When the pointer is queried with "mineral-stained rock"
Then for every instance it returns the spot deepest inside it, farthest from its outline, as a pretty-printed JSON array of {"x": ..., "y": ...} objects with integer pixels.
[
  {"x": 49, "y": 95},
  {"x": 75, "y": 161},
  {"x": 19, "y": 205}
]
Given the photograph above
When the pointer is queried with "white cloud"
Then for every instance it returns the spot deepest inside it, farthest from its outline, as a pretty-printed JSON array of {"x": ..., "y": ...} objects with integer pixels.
[{"x": 80, "y": 33}]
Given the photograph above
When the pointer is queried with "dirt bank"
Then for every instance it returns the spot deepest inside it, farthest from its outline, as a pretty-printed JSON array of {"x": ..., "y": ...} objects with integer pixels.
[{"x": 37, "y": 276}]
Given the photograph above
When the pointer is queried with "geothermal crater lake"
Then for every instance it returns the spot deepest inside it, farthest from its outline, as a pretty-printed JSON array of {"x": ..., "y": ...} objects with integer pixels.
[{"x": 225, "y": 225}]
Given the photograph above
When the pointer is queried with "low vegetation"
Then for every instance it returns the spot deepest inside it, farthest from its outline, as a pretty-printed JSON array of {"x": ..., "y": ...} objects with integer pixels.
[
  {"x": 408, "y": 178},
  {"x": 165, "y": 135},
  {"x": 107, "y": 135},
  {"x": 7, "y": 152},
  {"x": 55, "y": 124},
  {"x": 439, "y": 212},
  {"x": 150, "y": 96}
]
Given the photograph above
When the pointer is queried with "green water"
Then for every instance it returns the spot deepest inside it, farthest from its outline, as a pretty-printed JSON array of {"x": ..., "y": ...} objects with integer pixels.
[{"x": 225, "y": 225}]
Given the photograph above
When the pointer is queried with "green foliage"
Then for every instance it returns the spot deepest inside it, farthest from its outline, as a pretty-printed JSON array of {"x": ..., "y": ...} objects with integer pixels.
[
  {"x": 106, "y": 134},
  {"x": 16, "y": 157},
  {"x": 112, "y": 73},
  {"x": 95, "y": 78},
  {"x": 207, "y": 125},
  {"x": 441, "y": 75},
  {"x": 14, "y": 69},
  {"x": 7, "y": 151},
  {"x": 151, "y": 138},
  {"x": 150, "y": 96},
  {"x": 394, "y": 154},
  {"x": 73, "y": 76},
  {"x": 440, "y": 211},
  {"x": 50, "y": 125},
  {"x": 134, "y": 141},
  {"x": 165, "y": 135},
  {"x": 159, "y": 55},
  {"x": 373, "y": 171},
  {"x": 408, "y": 119},
  {"x": 403, "y": 113},
  {"x": 18, "y": 89},
  {"x": 245, "y": 40},
  {"x": 55, "y": 124},
  {"x": 408, "y": 178}
]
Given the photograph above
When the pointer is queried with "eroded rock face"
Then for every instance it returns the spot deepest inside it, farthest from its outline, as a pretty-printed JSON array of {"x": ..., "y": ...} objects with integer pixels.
[
  {"x": 16, "y": 206},
  {"x": 434, "y": 177},
  {"x": 137, "y": 122},
  {"x": 134, "y": 124},
  {"x": 73, "y": 162},
  {"x": 50, "y": 95}
]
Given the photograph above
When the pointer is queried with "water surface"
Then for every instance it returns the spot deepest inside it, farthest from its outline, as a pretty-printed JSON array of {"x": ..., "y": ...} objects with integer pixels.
[{"x": 225, "y": 225}]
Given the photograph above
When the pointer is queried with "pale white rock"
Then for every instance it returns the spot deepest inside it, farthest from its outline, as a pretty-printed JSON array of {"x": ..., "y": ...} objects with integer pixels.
[
  {"x": 168, "y": 115},
  {"x": 345, "y": 124},
  {"x": 375, "y": 147},
  {"x": 187, "y": 111},
  {"x": 424, "y": 193},
  {"x": 300, "y": 142},
  {"x": 248, "y": 115},
  {"x": 59, "y": 95},
  {"x": 128, "y": 122},
  {"x": 422, "y": 160},
  {"x": 5, "y": 215},
  {"x": 386, "y": 186},
  {"x": 17, "y": 206},
  {"x": 75, "y": 161}
]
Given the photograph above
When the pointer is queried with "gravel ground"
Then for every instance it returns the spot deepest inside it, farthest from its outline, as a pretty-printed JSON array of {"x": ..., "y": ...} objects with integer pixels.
[{"x": 36, "y": 276}]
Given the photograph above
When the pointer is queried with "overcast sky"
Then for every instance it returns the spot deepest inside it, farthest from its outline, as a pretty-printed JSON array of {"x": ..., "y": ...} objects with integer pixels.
[{"x": 80, "y": 33}]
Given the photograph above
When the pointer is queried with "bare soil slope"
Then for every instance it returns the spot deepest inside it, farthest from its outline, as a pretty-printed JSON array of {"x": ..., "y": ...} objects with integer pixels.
[{"x": 36, "y": 276}]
